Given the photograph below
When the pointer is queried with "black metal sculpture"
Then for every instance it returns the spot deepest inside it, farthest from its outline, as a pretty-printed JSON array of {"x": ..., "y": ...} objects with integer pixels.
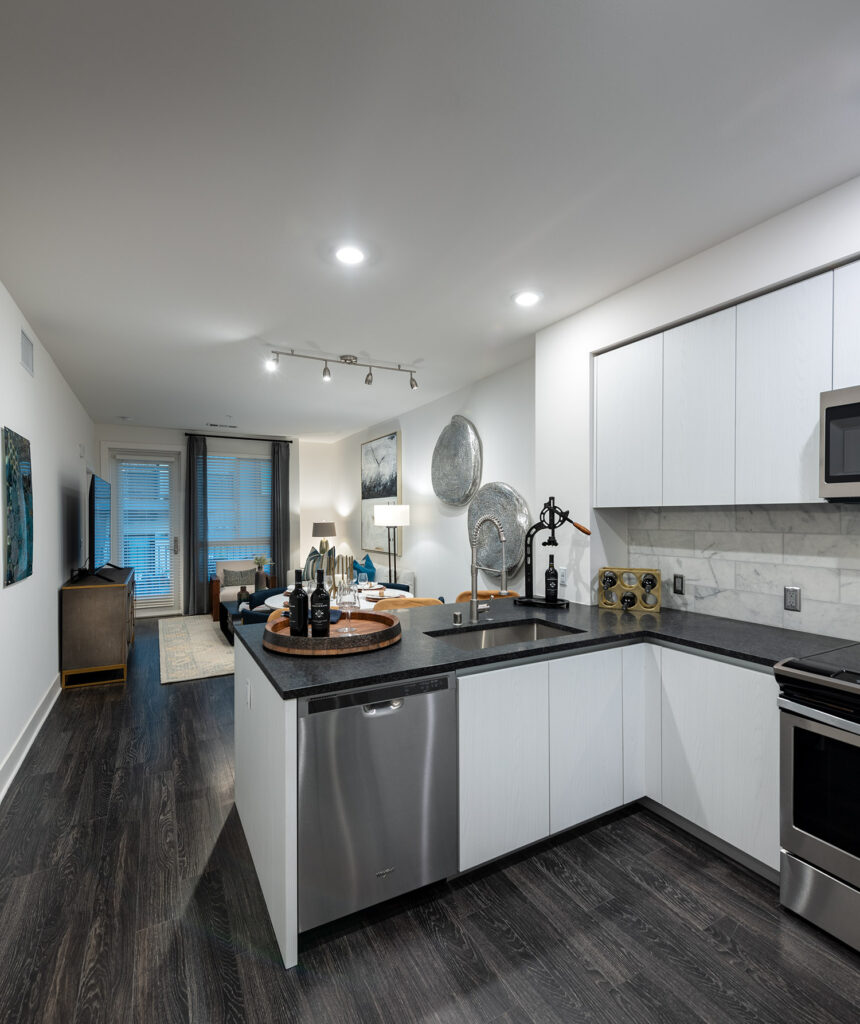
[{"x": 551, "y": 518}]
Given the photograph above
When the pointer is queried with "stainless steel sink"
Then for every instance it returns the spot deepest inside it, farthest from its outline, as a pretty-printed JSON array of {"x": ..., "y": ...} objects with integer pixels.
[{"x": 490, "y": 635}]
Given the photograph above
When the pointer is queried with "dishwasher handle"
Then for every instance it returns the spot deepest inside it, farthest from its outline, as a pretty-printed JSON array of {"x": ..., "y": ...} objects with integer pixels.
[{"x": 383, "y": 707}]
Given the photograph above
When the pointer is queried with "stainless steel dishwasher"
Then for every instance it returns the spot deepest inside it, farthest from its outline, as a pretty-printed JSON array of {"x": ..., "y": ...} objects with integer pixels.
[{"x": 377, "y": 795}]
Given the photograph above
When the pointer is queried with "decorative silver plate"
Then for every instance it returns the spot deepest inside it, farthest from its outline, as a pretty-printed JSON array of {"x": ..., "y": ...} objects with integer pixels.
[
  {"x": 510, "y": 508},
  {"x": 457, "y": 462}
]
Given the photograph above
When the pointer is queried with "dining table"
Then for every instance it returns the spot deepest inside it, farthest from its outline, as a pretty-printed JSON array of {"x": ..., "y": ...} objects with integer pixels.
[{"x": 368, "y": 597}]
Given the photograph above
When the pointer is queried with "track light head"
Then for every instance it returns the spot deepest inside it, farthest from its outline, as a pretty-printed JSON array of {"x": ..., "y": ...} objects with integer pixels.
[
  {"x": 413, "y": 383},
  {"x": 271, "y": 363},
  {"x": 369, "y": 378},
  {"x": 326, "y": 373}
]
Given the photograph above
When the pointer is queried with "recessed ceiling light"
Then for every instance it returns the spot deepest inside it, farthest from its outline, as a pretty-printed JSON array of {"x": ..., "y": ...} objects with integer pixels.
[
  {"x": 350, "y": 255},
  {"x": 527, "y": 299}
]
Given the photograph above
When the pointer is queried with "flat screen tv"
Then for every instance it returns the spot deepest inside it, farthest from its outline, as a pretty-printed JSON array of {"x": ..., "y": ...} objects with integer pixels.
[{"x": 99, "y": 506}]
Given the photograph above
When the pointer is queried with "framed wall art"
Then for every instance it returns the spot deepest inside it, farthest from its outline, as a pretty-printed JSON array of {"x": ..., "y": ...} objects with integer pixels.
[
  {"x": 380, "y": 485},
  {"x": 18, "y": 507}
]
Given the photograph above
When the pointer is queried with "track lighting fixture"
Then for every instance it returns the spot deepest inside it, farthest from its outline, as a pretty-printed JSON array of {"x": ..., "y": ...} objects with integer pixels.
[{"x": 345, "y": 360}]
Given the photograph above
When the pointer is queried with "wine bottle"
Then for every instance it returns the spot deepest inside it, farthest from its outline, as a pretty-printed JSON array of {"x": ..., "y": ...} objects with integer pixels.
[
  {"x": 320, "y": 605},
  {"x": 551, "y": 580},
  {"x": 298, "y": 608},
  {"x": 628, "y": 599}
]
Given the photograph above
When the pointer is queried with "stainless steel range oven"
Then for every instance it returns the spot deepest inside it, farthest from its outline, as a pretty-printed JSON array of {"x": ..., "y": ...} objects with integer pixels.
[{"x": 820, "y": 790}]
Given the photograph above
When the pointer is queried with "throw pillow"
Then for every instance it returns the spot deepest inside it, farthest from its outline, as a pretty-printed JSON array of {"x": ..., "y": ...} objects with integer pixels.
[
  {"x": 238, "y": 578},
  {"x": 365, "y": 566},
  {"x": 316, "y": 561},
  {"x": 310, "y": 565}
]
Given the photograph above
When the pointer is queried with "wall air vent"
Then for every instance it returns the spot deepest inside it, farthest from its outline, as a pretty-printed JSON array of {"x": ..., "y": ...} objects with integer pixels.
[
  {"x": 223, "y": 426},
  {"x": 27, "y": 353}
]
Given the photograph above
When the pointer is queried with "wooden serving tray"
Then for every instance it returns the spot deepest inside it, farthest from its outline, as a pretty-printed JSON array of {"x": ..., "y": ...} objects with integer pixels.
[{"x": 374, "y": 630}]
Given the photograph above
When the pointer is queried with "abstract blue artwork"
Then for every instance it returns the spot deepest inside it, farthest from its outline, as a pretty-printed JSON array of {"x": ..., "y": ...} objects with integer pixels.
[{"x": 18, "y": 507}]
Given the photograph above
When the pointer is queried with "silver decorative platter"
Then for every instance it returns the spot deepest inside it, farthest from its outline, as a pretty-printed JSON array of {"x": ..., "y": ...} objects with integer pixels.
[
  {"x": 510, "y": 508},
  {"x": 457, "y": 462}
]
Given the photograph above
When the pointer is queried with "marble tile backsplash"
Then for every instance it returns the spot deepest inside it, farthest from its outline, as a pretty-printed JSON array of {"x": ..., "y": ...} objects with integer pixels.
[{"x": 737, "y": 560}]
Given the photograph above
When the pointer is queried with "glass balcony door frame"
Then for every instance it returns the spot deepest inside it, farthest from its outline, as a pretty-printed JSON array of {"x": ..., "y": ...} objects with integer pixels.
[{"x": 171, "y": 454}]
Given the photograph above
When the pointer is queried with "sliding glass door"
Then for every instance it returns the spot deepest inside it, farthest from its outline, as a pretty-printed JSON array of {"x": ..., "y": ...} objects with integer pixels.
[{"x": 146, "y": 526}]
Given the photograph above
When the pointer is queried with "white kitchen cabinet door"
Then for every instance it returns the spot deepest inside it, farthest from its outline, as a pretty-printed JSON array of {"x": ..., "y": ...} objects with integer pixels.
[
  {"x": 586, "y": 765},
  {"x": 642, "y": 724},
  {"x": 629, "y": 425},
  {"x": 846, "y": 326},
  {"x": 721, "y": 751},
  {"x": 699, "y": 411},
  {"x": 504, "y": 761},
  {"x": 784, "y": 360}
]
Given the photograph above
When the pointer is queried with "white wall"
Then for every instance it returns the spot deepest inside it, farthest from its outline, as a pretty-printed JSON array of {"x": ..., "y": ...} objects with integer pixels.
[
  {"x": 810, "y": 236},
  {"x": 43, "y": 409},
  {"x": 435, "y": 545}
]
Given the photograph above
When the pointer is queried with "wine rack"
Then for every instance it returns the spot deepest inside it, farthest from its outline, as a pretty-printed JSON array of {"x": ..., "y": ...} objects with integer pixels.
[{"x": 632, "y": 590}]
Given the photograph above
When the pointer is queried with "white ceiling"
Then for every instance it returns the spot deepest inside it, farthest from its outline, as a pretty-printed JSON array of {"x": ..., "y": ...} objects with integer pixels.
[{"x": 173, "y": 175}]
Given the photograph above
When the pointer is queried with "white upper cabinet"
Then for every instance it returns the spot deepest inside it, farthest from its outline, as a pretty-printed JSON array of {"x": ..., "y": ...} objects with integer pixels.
[
  {"x": 846, "y": 326},
  {"x": 699, "y": 411},
  {"x": 784, "y": 360},
  {"x": 629, "y": 425}
]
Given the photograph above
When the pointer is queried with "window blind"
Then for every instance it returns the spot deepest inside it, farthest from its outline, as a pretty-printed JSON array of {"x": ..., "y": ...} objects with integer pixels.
[
  {"x": 239, "y": 496},
  {"x": 143, "y": 517}
]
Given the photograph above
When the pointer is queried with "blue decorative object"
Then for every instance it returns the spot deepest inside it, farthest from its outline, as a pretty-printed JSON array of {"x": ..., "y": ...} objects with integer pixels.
[
  {"x": 366, "y": 566},
  {"x": 19, "y": 507}
]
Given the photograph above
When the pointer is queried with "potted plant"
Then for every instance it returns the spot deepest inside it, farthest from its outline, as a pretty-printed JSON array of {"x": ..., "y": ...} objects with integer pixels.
[{"x": 261, "y": 561}]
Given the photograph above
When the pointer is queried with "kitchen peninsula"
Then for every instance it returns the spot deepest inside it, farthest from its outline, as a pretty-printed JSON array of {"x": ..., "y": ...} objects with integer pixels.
[{"x": 676, "y": 709}]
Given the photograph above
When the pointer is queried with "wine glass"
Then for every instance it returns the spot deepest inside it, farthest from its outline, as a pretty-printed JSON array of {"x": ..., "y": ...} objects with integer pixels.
[
  {"x": 362, "y": 580},
  {"x": 328, "y": 583},
  {"x": 347, "y": 599}
]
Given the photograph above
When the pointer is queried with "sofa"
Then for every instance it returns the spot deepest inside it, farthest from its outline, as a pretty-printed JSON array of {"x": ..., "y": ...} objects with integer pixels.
[{"x": 219, "y": 591}]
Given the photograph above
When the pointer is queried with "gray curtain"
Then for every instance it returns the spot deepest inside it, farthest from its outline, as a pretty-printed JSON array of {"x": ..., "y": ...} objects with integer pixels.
[
  {"x": 196, "y": 530},
  {"x": 281, "y": 510}
]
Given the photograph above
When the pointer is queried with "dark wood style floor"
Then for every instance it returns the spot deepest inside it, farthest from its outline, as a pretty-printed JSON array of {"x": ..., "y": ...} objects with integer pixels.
[{"x": 127, "y": 894}]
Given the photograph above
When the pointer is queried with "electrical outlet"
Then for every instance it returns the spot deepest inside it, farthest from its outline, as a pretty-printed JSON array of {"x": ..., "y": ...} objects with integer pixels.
[
  {"x": 678, "y": 583},
  {"x": 248, "y": 692},
  {"x": 791, "y": 599},
  {"x": 562, "y": 576}
]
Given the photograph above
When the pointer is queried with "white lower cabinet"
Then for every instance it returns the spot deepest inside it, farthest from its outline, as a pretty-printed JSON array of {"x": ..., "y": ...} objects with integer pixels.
[
  {"x": 586, "y": 762},
  {"x": 504, "y": 761},
  {"x": 546, "y": 746},
  {"x": 720, "y": 751}
]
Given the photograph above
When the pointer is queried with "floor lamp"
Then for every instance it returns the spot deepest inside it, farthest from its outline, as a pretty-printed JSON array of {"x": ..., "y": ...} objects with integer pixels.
[{"x": 391, "y": 516}]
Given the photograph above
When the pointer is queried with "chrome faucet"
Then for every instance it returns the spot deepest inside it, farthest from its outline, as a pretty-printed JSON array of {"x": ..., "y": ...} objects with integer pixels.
[{"x": 475, "y": 609}]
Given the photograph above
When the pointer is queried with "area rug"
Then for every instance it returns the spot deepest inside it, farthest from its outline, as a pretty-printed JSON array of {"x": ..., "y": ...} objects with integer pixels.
[{"x": 192, "y": 647}]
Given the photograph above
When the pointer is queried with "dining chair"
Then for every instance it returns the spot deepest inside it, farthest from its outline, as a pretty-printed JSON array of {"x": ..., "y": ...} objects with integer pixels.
[{"x": 483, "y": 595}]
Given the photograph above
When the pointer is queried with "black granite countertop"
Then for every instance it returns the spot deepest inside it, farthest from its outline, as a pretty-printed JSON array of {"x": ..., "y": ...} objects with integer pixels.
[{"x": 418, "y": 654}]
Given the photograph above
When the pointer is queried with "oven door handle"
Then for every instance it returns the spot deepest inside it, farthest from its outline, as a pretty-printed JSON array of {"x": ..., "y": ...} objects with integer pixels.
[{"x": 819, "y": 716}]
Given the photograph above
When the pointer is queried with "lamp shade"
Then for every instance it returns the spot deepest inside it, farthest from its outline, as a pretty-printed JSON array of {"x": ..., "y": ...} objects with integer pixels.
[
  {"x": 323, "y": 530},
  {"x": 391, "y": 515}
]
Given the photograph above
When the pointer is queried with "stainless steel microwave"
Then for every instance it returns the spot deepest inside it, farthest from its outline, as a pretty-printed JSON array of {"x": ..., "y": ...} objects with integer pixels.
[{"x": 840, "y": 445}]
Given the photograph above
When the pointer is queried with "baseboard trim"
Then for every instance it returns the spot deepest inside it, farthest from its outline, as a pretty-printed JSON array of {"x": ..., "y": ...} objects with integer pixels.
[
  {"x": 15, "y": 758},
  {"x": 732, "y": 852}
]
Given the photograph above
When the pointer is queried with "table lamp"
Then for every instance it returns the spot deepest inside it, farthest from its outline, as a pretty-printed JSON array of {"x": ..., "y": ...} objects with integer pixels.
[
  {"x": 324, "y": 531},
  {"x": 391, "y": 516}
]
